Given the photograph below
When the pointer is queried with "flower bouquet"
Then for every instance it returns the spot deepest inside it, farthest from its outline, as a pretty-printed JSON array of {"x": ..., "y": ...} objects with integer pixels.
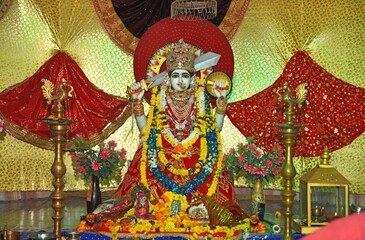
[
  {"x": 248, "y": 160},
  {"x": 103, "y": 161}
]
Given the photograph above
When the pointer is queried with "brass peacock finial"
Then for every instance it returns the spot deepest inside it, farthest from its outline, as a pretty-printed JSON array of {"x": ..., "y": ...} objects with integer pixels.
[
  {"x": 288, "y": 98},
  {"x": 60, "y": 96}
]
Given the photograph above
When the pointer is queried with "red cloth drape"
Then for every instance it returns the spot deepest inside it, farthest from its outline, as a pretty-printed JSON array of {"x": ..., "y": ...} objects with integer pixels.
[
  {"x": 334, "y": 112},
  {"x": 23, "y": 105}
]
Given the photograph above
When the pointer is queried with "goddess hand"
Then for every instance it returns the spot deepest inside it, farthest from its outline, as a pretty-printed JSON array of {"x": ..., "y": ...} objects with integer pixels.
[
  {"x": 220, "y": 89},
  {"x": 137, "y": 91}
]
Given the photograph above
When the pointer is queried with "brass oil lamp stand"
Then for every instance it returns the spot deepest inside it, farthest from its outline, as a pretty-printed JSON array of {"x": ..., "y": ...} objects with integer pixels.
[
  {"x": 58, "y": 126},
  {"x": 288, "y": 172},
  {"x": 289, "y": 131}
]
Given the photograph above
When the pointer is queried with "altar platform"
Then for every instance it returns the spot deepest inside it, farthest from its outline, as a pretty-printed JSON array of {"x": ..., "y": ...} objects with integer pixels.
[
  {"x": 31, "y": 212},
  {"x": 95, "y": 236}
]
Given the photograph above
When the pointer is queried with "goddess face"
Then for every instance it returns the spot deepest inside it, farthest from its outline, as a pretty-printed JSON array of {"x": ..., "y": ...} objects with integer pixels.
[{"x": 180, "y": 80}]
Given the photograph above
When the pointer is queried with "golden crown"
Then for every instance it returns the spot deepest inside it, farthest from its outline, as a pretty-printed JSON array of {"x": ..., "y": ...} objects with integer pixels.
[{"x": 180, "y": 57}]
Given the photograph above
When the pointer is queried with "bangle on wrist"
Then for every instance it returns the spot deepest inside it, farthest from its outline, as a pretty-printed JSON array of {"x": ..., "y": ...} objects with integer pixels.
[
  {"x": 138, "y": 109},
  {"x": 221, "y": 105}
]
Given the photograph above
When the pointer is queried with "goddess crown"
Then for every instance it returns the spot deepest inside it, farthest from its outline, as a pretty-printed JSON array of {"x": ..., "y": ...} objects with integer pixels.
[{"x": 180, "y": 57}]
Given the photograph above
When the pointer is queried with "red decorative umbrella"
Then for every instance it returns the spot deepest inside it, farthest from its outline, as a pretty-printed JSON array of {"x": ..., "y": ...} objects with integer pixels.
[
  {"x": 333, "y": 113},
  {"x": 97, "y": 114}
]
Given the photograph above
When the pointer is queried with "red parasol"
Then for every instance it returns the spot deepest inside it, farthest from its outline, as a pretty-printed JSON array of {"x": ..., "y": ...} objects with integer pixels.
[
  {"x": 333, "y": 113},
  {"x": 97, "y": 114}
]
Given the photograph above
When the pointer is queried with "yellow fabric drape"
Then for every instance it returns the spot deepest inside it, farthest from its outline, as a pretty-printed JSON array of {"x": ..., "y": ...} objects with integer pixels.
[{"x": 270, "y": 33}]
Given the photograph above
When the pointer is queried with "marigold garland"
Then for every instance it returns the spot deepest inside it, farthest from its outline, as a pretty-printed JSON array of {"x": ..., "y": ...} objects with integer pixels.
[
  {"x": 164, "y": 223},
  {"x": 210, "y": 151}
]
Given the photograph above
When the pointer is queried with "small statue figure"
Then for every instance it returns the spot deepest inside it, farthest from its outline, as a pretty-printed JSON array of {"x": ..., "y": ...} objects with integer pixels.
[
  {"x": 142, "y": 206},
  {"x": 199, "y": 213},
  {"x": 61, "y": 94},
  {"x": 87, "y": 223},
  {"x": 175, "y": 208},
  {"x": 257, "y": 226},
  {"x": 288, "y": 98}
]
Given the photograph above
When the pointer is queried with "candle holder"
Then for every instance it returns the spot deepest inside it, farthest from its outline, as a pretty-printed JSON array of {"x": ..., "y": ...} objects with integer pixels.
[{"x": 58, "y": 126}]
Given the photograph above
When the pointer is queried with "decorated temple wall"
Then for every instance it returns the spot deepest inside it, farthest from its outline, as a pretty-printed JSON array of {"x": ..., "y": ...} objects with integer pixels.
[{"x": 271, "y": 32}]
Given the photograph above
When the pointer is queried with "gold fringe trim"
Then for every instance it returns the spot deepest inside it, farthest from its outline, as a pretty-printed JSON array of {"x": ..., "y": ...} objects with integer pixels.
[
  {"x": 233, "y": 18},
  {"x": 126, "y": 41},
  {"x": 115, "y": 27},
  {"x": 45, "y": 143}
]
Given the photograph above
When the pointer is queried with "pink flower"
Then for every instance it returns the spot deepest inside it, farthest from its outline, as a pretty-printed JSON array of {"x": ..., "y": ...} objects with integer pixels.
[
  {"x": 276, "y": 171},
  {"x": 104, "y": 153},
  {"x": 73, "y": 156},
  {"x": 82, "y": 169},
  {"x": 123, "y": 153},
  {"x": 225, "y": 157},
  {"x": 95, "y": 166},
  {"x": 112, "y": 143},
  {"x": 82, "y": 155},
  {"x": 232, "y": 150},
  {"x": 258, "y": 154},
  {"x": 264, "y": 172},
  {"x": 257, "y": 170},
  {"x": 249, "y": 168},
  {"x": 279, "y": 160},
  {"x": 251, "y": 146},
  {"x": 268, "y": 162},
  {"x": 241, "y": 159}
]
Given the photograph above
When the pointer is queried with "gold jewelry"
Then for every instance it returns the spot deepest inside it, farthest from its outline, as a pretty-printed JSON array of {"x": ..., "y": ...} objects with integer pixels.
[
  {"x": 180, "y": 103},
  {"x": 138, "y": 109},
  {"x": 221, "y": 105},
  {"x": 180, "y": 57}
]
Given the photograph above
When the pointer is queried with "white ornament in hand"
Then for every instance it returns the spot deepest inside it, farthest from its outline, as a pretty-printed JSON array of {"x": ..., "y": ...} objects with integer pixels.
[
  {"x": 137, "y": 91},
  {"x": 220, "y": 89}
]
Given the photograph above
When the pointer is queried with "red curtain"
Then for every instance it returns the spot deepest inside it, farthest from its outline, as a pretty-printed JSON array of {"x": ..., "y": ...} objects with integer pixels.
[
  {"x": 127, "y": 20},
  {"x": 333, "y": 114},
  {"x": 24, "y": 104},
  {"x": 138, "y": 16}
]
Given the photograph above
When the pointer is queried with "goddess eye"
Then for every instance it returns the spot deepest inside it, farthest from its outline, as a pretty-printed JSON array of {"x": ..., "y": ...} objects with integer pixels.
[{"x": 175, "y": 75}]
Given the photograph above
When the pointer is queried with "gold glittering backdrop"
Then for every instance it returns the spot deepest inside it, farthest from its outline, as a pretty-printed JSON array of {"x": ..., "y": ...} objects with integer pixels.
[{"x": 271, "y": 32}]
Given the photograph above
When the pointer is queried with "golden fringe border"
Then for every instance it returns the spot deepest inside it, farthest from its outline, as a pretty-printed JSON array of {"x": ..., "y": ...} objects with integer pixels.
[
  {"x": 126, "y": 41},
  {"x": 45, "y": 143}
]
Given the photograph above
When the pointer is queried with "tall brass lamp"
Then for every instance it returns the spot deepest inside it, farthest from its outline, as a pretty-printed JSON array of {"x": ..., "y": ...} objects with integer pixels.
[
  {"x": 58, "y": 126},
  {"x": 289, "y": 130}
]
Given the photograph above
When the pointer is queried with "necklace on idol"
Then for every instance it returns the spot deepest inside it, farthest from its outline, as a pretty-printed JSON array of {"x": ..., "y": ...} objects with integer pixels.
[
  {"x": 151, "y": 147},
  {"x": 181, "y": 103}
]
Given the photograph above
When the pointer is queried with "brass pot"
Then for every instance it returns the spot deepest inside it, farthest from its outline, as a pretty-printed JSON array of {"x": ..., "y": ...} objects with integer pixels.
[{"x": 317, "y": 212}]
